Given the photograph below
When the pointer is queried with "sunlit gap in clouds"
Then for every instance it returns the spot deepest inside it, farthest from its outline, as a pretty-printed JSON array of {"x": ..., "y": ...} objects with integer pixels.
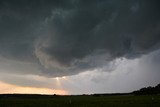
[
  {"x": 64, "y": 83},
  {"x": 58, "y": 82}
]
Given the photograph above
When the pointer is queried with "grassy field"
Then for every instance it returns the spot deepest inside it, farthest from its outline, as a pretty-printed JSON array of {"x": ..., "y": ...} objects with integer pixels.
[{"x": 82, "y": 101}]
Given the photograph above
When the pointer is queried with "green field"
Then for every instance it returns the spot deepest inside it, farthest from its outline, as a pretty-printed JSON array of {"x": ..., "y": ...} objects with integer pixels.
[{"x": 82, "y": 101}]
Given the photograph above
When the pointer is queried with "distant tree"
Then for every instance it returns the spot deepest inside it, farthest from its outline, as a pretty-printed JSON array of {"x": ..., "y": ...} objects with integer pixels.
[{"x": 148, "y": 90}]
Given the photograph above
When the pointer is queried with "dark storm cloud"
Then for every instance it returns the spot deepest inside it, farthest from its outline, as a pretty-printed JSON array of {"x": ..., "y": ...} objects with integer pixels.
[
  {"x": 66, "y": 37},
  {"x": 18, "y": 22}
]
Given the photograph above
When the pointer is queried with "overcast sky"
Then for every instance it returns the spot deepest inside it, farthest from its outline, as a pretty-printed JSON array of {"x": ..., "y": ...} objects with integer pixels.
[{"x": 79, "y": 46}]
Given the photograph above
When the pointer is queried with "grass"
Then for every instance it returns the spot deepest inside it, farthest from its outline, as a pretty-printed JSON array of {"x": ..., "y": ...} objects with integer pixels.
[{"x": 82, "y": 101}]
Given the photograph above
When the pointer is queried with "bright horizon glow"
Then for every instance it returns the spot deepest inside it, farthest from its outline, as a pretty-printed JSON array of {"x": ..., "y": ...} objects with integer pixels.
[{"x": 13, "y": 89}]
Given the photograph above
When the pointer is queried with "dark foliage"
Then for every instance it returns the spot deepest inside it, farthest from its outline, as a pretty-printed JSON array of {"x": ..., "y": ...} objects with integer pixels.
[{"x": 148, "y": 90}]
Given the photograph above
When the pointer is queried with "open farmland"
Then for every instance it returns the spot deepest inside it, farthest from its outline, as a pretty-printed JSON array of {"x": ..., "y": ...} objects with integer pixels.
[{"x": 80, "y": 101}]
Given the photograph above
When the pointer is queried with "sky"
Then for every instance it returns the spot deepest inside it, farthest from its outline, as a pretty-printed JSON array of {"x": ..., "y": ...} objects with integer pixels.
[{"x": 79, "y": 46}]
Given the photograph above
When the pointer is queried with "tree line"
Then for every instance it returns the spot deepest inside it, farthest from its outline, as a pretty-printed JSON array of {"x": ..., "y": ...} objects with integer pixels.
[{"x": 148, "y": 90}]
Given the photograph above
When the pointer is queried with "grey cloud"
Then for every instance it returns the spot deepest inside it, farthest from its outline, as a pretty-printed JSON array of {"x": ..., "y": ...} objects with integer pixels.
[
  {"x": 69, "y": 37},
  {"x": 29, "y": 81}
]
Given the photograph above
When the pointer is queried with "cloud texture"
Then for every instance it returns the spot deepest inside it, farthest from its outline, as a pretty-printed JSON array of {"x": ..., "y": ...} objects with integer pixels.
[{"x": 66, "y": 37}]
